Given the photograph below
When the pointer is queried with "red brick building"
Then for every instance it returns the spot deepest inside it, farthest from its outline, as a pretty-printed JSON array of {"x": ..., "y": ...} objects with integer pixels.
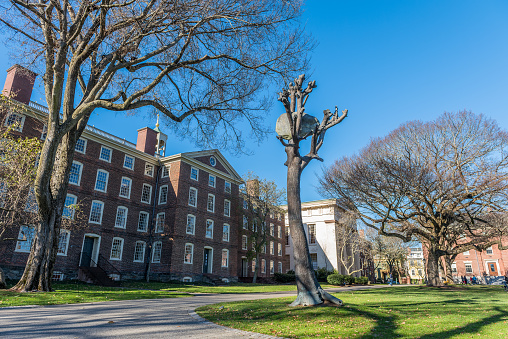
[{"x": 176, "y": 217}]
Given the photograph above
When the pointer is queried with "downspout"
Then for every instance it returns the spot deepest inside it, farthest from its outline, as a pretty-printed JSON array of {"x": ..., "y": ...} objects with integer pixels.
[{"x": 150, "y": 226}]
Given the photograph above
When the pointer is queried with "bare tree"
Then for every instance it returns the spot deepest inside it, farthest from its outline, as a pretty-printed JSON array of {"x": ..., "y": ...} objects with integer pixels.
[
  {"x": 391, "y": 251},
  {"x": 439, "y": 182},
  {"x": 350, "y": 246},
  {"x": 293, "y": 127},
  {"x": 201, "y": 63},
  {"x": 261, "y": 198}
]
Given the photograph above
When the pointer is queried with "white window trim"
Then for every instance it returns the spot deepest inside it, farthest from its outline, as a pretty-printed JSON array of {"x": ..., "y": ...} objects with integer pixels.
[
  {"x": 160, "y": 194},
  {"x": 133, "y": 161},
  {"x": 246, "y": 242},
  {"x": 229, "y": 232},
  {"x": 230, "y": 187},
  {"x": 157, "y": 219},
  {"x": 153, "y": 253},
  {"x": 19, "y": 233},
  {"x": 21, "y": 125},
  {"x": 162, "y": 171},
  {"x": 192, "y": 253},
  {"x": 227, "y": 258},
  {"x": 206, "y": 228},
  {"x": 149, "y": 195},
  {"x": 187, "y": 223},
  {"x": 121, "y": 249},
  {"x": 116, "y": 217},
  {"x": 213, "y": 199},
  {"x": 66, "y": 245},
  {"x": 147, "y": 220},
  {"x": 197, "y": 173},
  {"x": 196, "y": 200},
  {"x": 144, "y": 250},
  {"x": 79, "y": 176},
  {"x": 128, "y": 196},
  {"x": 110, "y": 154},
  {"x": 153, "y": 170},
  {"x": 84, "y": 146},
  {"x": 214, "y": 180},
  {"x": 107, "y": 180},
  {"x": 227, "y": 202},
  {"x": 102, "y": 212},
  {"x": 73, "y": 209}
]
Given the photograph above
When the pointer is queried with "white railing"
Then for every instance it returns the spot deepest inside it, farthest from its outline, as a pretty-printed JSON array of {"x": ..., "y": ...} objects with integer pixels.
[{"x": 39, "y": 107}]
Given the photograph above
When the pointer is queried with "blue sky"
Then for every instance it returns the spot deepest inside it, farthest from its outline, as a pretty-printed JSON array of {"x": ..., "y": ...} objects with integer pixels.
[{"x": 387, "y": 62}]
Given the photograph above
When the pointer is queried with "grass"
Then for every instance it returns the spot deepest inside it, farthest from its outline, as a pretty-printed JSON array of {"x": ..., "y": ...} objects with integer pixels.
[{"x": 396, "y": 312}]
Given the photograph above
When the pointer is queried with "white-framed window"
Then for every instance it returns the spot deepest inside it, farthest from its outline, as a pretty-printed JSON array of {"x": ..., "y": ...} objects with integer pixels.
[
  {"x": 31, "y": 201},
  {"x": 96, "y": 212},
  {"x": 187, "y": 279},
  {"x": 44, "y": 132},
  {"x": 227, "y": 187},
  {"x": 75, "y": 173},
  {"x": 15, "y": 120},
  {"x": 159, "y": 223},
  {"x": 63, "y": 242},
  {"x": 263, "y": 249},
  {"x": 101, "y": 181},
  {"x": 125, "y": 188},
  {"x": 193, "y": 197},
  {"x": 194, "y": 173},
  {"x": 225, "y": 258},
  {"x": 279, "y": 266},
  {"x": 212, "y": 180},
  {"x": 279, "y": 232},
  {"x": 413, "y": 272},
  {"x": 253, "y": 244},
  {"x": 312, "y": 234},
  {"x": 191, "y": 224},
  {"x": 105, "y": 154},
  {"x": 245, "y": 204},
  {"x": 57, "y": 276},
  {"x": 465, "y": 253},
  {"x": 489, "y": 250},
  {"x": 139, "y": 251},
  {"x": 128, "y": 162},
  {"x": 227, "y": 208},
  {"x": 272, "y": 248},
  {"x": 163, "y": 194},
  {"x": 263, "y": 266},
  {"x": 165, "y": 171},
  {"x": 244, "y": 242},
  {"x": 143, "y": 221},
  {"x": 25, "y": 238},
  {"x": 149, "y": 170},
  {"x": 272, "y": 215},
  {"x": 80, "y": 146},
  {"x": 210, "y": 203},
  {"x": 209, "y": 229},
  {"x": 225, "y": 232},
  {"x": 157, "y": 252},
  {"x": 253, "y": 265},
  {"x": 146, "y": 193},
  {"x": 454, "y": 268},
  {"x": 272, "y": 271},
  {"x": 279, "y": 249},
  {"x": 69, "y": 206},
  {"x": 286, "y": 229},
  {"x": 313, "y": 258},
  {"x": 116, "y": 249},
  {"x": 245, "y": 223},
  {"x": 121, "y": 217},
  {"x": 189, "y": 253},
  {"x": 469, "y": 268},
  {"x": 272, "y": 230}
]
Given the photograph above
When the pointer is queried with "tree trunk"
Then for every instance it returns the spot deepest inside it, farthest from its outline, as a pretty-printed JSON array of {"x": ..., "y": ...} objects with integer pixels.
[
  {"x": 3, "y": 285},
  {"x": 256, "y": 269},
  {"x": 310, "y": 292},
  {"x": 448, "y": 268},
  {"x": 433, "y": 268}
]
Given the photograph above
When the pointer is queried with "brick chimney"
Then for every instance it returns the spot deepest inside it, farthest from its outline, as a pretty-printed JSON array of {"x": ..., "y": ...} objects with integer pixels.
[
  {"x": 147, "y": 140},
  {"x": 19, "y": 84}
]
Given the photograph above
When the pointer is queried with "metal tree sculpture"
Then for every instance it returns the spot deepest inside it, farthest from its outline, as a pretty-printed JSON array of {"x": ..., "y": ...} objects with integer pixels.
[{"x": 293, "y": 127}]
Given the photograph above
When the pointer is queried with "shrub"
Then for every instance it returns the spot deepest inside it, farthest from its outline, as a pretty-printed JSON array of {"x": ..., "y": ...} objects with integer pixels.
[
  {"x": 322, "y": 274},
  {"x": 349, "y": 279},
  {"x": 284, "y": 277},
  {"x": 362, "y": 280},
  {"x": 337, "y": 279}
]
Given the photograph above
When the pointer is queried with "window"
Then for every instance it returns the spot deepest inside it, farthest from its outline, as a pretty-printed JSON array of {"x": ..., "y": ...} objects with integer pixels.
[
  {"x": 16, "y": 121},
  {"x": 116, "y": 249},
  {"x": 227, "y": 187},
  {"x": 209, "y": 229},
  {"x": 163, "y": 195},
  {"x": 279, "y": 232},
  {"x": 157, "y": 252},
  {"x": 225, "y": 232},
  {"x": 213, "y": 161},
  {"x": 69, "y": 206},
  {"x": 194, "y": 173},
  {"x": 420, "y": 273},
  {"x": 279, "y": 266},
  {"x": 57, "y": 276},
  {"x": 63, "y": 242},
  {"x": 143, "y": 221},
  {"x": 287, "y": 235},
  {"x": 44, "y": 132},
  {"x": 272, "y": 230},
  {"x": 413, "y": 272},
  {"x": 139, "y": 251},
  {"x": 189, "y": 253},
  {"x": 466, "y": 253},
  {"x": 125, "y": 188},
  {"x": 245, "y": 204},
  {"x": 105, "y": 154},
  {"x": 225, "y": 258},
  {"x": 101, "y": 181},
  {"x": 454, "y": 268},
  {"x": 272, "y": 248},
  {"x": 227, "y": 208},
  {"x": 313, "y": 257},
  {"x": 25, "y": 238},
  {"x": 193, "y": 197},
  {"x": 253, "y": 265},
  {"x": 312, "y": 234},
  {"x": 489, "y": 250},
  {"x": 187, "y": 279},
  {"x": 149, "y": 170},
  {"x": 75, "y": 173},
  {"x": 121, "y": 217},
  {"x": 263, "y": 249},
  {"x": 128, "y": 162},
  {"x": 272, "y": 215},
  {"x": 279, "y": 249},
  {"x": 211, "y": 180},
  {"x": 96, "y": 212},
  {"x": 159, "y": 223},
  {"x": 31, "y": 201},
  {"x": 191, "y": 224},
  {"x": 80, "y": 146},
  {"x": 244, "y": 242},
  {"x": 210, "y": 204},
  {"x": 245, "y": 223},
  {"x": 469, "y": 268},
  {"x": 271, "y": 267},
  {"x": 165, "y": 171},
  {"x": 263, "y": 266},
  {"x": 146, "y": 193}
]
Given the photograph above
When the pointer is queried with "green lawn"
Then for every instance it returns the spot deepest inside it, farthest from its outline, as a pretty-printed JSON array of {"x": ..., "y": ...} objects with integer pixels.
[
  {"x": 226, "y": 289},
  {"x": 396, "y": 312}
]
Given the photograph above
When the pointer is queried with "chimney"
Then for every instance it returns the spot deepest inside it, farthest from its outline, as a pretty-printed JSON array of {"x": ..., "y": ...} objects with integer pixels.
[
  {"x": 19, "y": 84},
  {"x": 147, "y": 140}
]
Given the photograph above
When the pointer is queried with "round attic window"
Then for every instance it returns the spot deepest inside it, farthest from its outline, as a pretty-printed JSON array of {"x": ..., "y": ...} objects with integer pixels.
[{"x": 213, "y": 161}]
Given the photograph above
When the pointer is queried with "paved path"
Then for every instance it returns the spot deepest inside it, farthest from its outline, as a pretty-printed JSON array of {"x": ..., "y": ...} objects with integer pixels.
[{"x": 147, "y": 318}]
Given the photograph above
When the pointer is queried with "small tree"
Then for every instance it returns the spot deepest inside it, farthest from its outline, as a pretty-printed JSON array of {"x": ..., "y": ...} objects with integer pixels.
[
  {"x": 293, "y": 127},
  {"x": 392, "y": 251},
  {"x": 350, "y": 246}
]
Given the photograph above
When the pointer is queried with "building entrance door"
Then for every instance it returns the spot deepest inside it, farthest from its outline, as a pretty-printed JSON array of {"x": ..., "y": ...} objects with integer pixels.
[
  {"x": 245, "y": 268},
  {"x": 86, "y": 252},
  {"x": 493, "y": 269},
  {"x": 206, "y": 260}
]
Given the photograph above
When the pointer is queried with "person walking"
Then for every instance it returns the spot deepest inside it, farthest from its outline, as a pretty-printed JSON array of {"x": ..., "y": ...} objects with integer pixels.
[{"x": 506, "y": 282}]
